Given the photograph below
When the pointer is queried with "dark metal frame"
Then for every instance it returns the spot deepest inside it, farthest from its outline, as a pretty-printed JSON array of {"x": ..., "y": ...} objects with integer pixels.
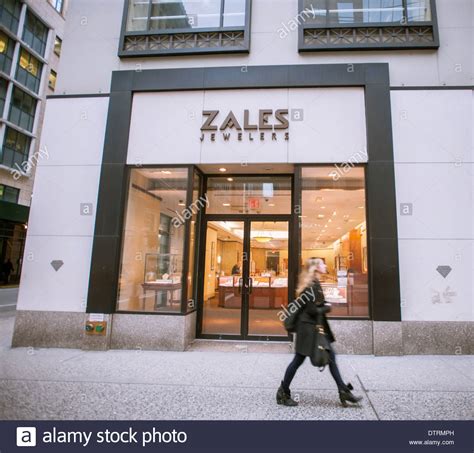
[
  {"x": 375, "y": 25},
  {"x": 380, "y": 176},
  {"x": 245, "y": 48}
]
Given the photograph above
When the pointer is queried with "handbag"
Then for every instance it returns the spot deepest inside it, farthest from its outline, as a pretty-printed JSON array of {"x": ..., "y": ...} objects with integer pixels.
[
  {"x": 321, "y": 354},
  {"x": 290, "y": 321}
]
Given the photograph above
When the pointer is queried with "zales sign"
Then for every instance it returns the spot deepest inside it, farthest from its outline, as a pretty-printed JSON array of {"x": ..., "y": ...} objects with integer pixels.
[{"x": 272, "y": 125}]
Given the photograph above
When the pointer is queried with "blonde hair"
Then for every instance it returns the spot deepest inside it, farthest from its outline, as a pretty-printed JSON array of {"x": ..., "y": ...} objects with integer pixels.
[{"x": 307, "y": 274}]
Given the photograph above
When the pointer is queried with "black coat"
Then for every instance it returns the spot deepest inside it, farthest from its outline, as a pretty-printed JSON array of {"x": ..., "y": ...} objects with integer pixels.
[{"x": 307, "y": 318}]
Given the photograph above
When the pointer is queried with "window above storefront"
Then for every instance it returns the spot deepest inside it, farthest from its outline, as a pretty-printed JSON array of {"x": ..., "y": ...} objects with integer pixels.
[
  {"x": 177, "y": 27},
  {"x": 367, "y": 24}
]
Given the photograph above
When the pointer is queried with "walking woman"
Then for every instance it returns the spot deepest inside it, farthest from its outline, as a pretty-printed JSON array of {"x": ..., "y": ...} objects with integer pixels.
[{"x": 315, "y": 304}]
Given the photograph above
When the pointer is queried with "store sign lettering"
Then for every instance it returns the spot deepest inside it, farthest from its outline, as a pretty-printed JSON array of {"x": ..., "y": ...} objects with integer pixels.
[{"x": 271, "y": 125}]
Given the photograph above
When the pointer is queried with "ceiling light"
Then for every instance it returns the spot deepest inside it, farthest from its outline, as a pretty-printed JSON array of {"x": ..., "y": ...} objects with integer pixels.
[
  {"x": 181, "y": 203},
  {"x": 225, "y": 204},
  {"x": 230, "y": 179},
  {"x": 166, "y": 172},
  {"x": 222, "y": 169},
  {"x": 263, "y": 239},
  {"x": 271, "y": 204},
  {"x": 334, "y": 213},
  {"x": 323, "y": 207},
  {"x": 361, "y": 207},
  {"x": 320, "y": 216}
]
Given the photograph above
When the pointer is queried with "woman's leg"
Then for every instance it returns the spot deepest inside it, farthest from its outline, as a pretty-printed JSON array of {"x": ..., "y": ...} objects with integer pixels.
[
  {"x": 298, "y": 359},
  {"x": 335, "y": 371}
]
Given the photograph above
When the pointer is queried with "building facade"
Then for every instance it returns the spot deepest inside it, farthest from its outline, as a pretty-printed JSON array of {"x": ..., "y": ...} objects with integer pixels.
[
  {"x": 200, "y": 153},
  {"x": 30, "y": 48}
]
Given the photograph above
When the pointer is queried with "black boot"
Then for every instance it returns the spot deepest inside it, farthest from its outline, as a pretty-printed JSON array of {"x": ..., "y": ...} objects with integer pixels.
[
  {"x": 345, "y": 395},
  {"x": 284, "y": 397}
]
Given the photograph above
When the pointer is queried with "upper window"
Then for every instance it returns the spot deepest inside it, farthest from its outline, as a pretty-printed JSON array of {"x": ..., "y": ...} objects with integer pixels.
[
  {"x": 154, "y": 27},
  {"x": 10, "y": 14},
  {"x": 22, "y": 109},
  {"x": 3, "y": 94},
  {"x": 29, "y": 71},
  {"x": 15, "y": 150},
  {"x": 58, "y": 43},
  {"x": 35, "y": 33},
  {"x": 6, "y": 53},
  {"x": 9, "y": 194},
  {"x": 57, "y": 5},
  {"x": 367, "y": 24}
]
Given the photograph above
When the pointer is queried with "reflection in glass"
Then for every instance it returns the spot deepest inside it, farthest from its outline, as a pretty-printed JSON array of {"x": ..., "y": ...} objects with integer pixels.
[
  {"x": 184, "y": 14},
  {"x": 152, "y": 254},
  {"x": 336, "y": 12},
  {"x": 333, "y": 227}
]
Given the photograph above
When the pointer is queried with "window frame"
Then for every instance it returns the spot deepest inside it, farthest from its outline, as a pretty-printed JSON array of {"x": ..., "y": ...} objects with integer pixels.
[
  {"x": 21, "y": 112},
  {"x": 36, "y": 38},
  {"x": 244, "y": 48},
  {"x": 57, "y": 40},
  {"x": 54, "y": 74},
  {"x": 13, "y": 18},
  {"x": 28, "y": 74},
  {"x": 54, "y": 5},
  {"x": 8, "y": 55},
  {"x": 16, "y": 191},
  {"x": 390, "y": 27},
  {"x": 25, "y": 153}
]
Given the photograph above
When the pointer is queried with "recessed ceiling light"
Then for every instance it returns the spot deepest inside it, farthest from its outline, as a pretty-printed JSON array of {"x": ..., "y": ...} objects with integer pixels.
[
  {"x": 225, "y": 204},
  {"x": 166, "y": 172},
  {"x": 320, "y": 216},
  {"x": 338, "y": 228},
  {"x": 230, "y": 179},
  {"x": 271, "y": 204},
  {"x": 222, "y": 169},
  {"x": 323, "y": 207}
]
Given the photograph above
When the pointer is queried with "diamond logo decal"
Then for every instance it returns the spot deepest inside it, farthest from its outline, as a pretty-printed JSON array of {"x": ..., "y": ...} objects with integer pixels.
[
  {"x": 57, "y": 264},
  {"x": 444, "y": 270}
]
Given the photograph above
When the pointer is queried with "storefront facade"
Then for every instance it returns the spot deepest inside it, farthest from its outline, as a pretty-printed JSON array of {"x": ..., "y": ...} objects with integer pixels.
[{"x": 213, "y": 185}]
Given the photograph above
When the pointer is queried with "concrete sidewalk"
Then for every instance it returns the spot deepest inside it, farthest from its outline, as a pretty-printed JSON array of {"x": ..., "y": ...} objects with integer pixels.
[{"x": 222, "y": 381}]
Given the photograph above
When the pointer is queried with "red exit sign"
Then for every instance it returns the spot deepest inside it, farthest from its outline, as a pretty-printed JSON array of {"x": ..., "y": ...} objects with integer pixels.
[{"x": 254, "y": 203}]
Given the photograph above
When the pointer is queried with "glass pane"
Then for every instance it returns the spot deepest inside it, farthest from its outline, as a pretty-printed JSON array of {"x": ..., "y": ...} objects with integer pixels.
[
  {"x": 419, "y": 10},
  {"x": 364, "y": 11},
  {"x": 249, "y": 195},
  {"x": 333, "y": 227},
  {"x": 269, "y": 277},
  {"x": 171, "y": 14},
  {"x": 314, "y": 12},
  {"x": 234, "y": 13},
  {"x": 222, "y": 300},
  {"x": 137, "y": 15},
  {"x": 152, "y": 253}
]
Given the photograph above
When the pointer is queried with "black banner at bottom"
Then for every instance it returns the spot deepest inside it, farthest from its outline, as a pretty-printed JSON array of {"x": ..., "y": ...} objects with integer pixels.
[{"x": 237, "y": 436}]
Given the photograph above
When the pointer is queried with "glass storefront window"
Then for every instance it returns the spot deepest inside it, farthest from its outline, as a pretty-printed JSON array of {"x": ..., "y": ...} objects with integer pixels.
[
  {"x": 151, "y": 275},
  {"x": 249, "y": 195},
  {"x": 333, "y": 227}
]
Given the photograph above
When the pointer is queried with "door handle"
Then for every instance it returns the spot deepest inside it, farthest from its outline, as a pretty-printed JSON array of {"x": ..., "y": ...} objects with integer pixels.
[{"x": 240, "y": 285}]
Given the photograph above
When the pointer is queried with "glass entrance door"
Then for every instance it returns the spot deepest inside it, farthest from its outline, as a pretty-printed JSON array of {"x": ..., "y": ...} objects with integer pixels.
[
  {"x": 245, "y": 278},
  {"x": 268, "y": 280}
]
